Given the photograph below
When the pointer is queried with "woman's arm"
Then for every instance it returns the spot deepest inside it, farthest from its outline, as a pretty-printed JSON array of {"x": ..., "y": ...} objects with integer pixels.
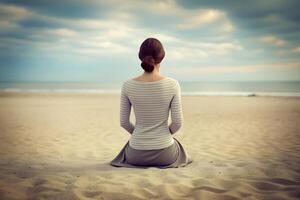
[
  {"x": 125, "y": 109},
  {"x": 176, "y": 110}
]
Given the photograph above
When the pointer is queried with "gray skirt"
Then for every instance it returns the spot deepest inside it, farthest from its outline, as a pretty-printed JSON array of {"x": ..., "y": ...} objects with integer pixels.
[{"x": 170, "y": 157}]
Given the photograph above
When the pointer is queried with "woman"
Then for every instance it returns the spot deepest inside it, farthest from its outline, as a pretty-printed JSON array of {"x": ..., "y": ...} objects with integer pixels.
[{"x": 152, "y": 97}]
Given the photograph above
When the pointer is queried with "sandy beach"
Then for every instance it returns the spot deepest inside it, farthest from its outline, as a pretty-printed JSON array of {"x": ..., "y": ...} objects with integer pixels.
[{"x": 58, "y": 146}]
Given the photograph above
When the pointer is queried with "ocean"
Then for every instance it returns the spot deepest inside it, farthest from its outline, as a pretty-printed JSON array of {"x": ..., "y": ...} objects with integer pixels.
[{"x": 191, "y": 88}]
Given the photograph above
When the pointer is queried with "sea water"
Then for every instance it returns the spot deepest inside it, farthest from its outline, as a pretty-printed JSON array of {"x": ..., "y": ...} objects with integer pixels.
[{"x": 194, "y": 88}]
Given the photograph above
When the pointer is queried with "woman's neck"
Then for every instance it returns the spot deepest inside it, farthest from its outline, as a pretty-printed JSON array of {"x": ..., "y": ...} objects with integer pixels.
[{"x": 154, "y": 73}]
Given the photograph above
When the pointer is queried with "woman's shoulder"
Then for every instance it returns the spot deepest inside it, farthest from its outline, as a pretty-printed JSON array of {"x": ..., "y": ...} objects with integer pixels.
[
  {"x": 131, "y": 83},
  {"x": 165, "y": 79},
  {"x": 173, "y": 80}
]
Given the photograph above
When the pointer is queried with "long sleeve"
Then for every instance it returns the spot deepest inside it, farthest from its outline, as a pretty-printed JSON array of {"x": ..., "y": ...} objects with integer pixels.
[
  {"x": 125, "y": 109},
  {"x": 176, "y": 110}
]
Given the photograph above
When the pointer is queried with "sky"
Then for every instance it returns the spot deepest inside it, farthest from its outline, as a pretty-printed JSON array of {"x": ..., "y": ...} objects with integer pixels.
[{"x": 98, "y": 40}]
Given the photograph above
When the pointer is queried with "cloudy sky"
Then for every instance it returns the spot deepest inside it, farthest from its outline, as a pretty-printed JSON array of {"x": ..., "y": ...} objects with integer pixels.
[{"x": 98, "y": 40}]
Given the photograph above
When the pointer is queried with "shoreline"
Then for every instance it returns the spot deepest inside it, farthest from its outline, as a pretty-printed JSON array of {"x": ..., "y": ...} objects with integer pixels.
[{"x": 186, "y": 94}]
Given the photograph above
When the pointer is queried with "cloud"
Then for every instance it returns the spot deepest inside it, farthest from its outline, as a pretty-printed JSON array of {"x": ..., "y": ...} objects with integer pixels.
[
  {"x": 212, "y": 48},
  {"x": 228, "y": 37},
  {"x": 83, "y": 36},
  {"x": 117, "y": 35},
  {"x": 185, "y": 54},
  {"x": 60, "y": 32},
  {"x": 215, "y": 70},
  {"x": 166, "y": 7},
  {"x": 273, "y": 40},
  {"x": 10, "y": 15},
  {"x": 288, "y": 52},
  {"x": 194, "y": 19},
  {"x": 14, "y": 13},
  {"x": 194, "y": 71},
  {"x": 227, "y": 26},
  {"x": 191, "y": 19},
  {"x": 183, "y": 18},
  {"x": 297, "y": 50},
  {"x": 7, "y": 26}
]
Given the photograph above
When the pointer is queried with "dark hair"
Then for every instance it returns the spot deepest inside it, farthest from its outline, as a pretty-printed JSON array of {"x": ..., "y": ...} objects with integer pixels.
[{"x": 151, "y": 53}]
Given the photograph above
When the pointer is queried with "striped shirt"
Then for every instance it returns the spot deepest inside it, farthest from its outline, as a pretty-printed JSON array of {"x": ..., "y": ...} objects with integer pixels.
[{"x": 152, "y": 102}]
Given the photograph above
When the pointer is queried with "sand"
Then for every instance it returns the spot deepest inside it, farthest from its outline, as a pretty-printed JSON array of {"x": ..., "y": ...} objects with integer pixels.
[{"x": 58, "y": 146}]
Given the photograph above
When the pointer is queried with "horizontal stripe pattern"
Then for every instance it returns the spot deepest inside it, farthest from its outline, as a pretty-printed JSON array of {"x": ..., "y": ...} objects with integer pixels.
[{"x": 152, "y": 103}]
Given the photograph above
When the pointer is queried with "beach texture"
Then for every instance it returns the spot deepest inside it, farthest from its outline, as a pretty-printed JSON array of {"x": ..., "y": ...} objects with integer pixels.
[{"x": 58, "y": 146}]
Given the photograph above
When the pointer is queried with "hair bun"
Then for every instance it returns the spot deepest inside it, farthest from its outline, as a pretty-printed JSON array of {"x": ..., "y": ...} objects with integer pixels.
[
  {"x": 151, "y": 53},
  {"x": 148, "y": 63}
]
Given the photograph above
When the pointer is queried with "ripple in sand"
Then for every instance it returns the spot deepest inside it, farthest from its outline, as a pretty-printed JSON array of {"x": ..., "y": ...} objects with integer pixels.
[
  {"x": 210, "y": 189},
  {"x": 264, "y": 186},
  {"x": 283, "y": 181}
]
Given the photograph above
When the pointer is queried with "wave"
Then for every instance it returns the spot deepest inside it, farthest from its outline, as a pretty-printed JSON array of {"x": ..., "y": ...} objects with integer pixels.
[
  {"x": 84, "y": 91},
  {"x": 246, "y": 94},
  {"x": 115, "y": 91}
]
